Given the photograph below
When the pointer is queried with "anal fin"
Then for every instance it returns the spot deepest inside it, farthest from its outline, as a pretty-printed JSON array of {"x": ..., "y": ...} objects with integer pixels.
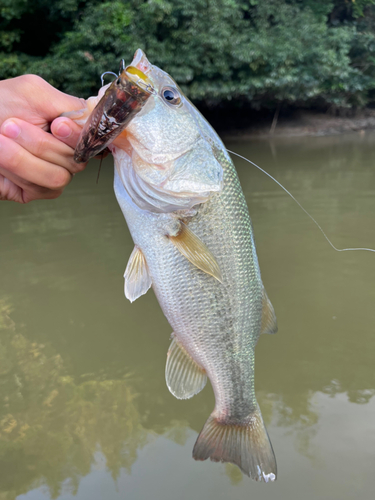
[
  {"x": 196, "y": 251},
  {"x": 137, "y": 278},
  {"x": 184, "y": 377},
  {"x": 269, "y": 323}
]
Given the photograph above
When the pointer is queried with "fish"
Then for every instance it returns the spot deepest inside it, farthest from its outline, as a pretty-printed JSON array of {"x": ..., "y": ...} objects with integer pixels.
[{"x": 194, "y": 245}]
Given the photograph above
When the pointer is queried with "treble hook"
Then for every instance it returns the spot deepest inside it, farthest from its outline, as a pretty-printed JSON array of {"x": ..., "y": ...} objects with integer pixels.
[
  {"x": 107, "y": 73},
  {"x": 122, "y": 66}
]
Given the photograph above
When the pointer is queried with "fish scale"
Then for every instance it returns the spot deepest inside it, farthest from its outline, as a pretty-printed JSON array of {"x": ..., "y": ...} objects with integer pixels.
[
  {"x": 218, "y": 324},
  {"x": 194, "y": 243}
]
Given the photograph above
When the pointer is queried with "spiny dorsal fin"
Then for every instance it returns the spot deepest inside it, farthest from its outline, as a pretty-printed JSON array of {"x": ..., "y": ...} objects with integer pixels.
[
  {"x": 269, "y": 323},
  {"x": 196, "y": 251},
  {"x": 183, "y": 375},
  {"x": 137, "y": 278}
]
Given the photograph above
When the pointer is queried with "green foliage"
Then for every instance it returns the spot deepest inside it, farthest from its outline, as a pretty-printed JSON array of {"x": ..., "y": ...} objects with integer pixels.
[
  {"x": 295, "y": 51},
  {"x": 358, "y": 7}
]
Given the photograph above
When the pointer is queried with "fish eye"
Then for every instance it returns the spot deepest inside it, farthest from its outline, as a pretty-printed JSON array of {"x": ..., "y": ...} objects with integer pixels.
[{"x": 171, "y": 95}]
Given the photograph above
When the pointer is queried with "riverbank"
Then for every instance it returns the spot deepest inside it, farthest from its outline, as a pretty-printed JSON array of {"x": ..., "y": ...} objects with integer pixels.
[{"x": 300, "y": 123}]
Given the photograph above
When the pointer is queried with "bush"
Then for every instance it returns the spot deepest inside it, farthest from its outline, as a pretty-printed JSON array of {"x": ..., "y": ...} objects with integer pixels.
[{"x": 300, "y": 52}]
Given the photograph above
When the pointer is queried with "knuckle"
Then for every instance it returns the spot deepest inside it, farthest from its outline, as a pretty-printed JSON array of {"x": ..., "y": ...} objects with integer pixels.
[
  {"x": 41, "y": 147},
  {"x": 60, "y": 179},
  {"x": 39, "y": 192},
  {"x": 17, "y": 159},
  {"x": 78, "y": 167},
  {"x": 35, "y": 192},
  {"x": 52, "y": 195},
  {"x": 66, "y": 160},
  {"x": 27, "y": 81}
]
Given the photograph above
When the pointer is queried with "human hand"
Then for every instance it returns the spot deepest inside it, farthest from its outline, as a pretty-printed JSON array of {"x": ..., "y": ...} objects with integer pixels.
[{"x": 33, "y": 163}]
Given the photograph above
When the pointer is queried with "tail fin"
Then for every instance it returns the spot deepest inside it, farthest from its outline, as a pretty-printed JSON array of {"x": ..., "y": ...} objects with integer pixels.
[{"x": 245, "y": 444}]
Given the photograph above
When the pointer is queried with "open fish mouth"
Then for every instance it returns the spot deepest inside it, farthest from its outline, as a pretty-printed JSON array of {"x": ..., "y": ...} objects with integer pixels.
[{"x": 121, "y": 102}]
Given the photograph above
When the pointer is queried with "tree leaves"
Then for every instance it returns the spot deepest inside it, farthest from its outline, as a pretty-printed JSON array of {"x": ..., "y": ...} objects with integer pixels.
[{"x": 293, "y": 51}]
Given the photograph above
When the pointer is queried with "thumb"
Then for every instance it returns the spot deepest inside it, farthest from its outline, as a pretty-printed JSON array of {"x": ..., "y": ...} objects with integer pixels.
[
  {"x": 63, "y": 103},
  {"x": 66, "y": 130}
]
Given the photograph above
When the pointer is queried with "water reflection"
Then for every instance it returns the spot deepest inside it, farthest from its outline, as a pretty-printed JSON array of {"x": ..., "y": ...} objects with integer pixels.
[
  {"x": 51, "y": 425},
  {"x": 82, "y": 370}
]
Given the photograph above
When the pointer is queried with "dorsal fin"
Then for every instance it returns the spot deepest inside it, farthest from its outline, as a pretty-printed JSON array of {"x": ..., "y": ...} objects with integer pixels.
[
  {"x": 137, "y": 278},
  {"x": 269, "y": 323},
  {"x": 184, "y": 377},
  {"x": 196, "y": 251}
]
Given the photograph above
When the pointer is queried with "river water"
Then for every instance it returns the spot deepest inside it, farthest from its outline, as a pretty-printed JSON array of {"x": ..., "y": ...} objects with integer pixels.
[{"x": 85, "y": 412}]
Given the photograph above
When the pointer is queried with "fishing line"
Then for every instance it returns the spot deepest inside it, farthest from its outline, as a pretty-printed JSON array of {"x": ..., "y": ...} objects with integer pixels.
[
  {"x": 100, "y": 166},
  {"x": 299, "y": 204}
]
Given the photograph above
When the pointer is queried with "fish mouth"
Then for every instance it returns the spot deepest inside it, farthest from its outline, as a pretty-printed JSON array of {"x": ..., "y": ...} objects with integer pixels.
[{"x": 121, "y": 102}]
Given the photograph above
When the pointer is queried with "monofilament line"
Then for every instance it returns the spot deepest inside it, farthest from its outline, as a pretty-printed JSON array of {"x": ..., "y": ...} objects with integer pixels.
[{"x": 301, "y": 207}]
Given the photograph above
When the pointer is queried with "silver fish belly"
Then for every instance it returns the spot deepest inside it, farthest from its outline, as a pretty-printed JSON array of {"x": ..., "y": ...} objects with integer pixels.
[{"x": 217, "y": 324}]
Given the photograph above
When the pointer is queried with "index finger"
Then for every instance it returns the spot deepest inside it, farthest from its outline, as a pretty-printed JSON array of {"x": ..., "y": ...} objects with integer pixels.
[{"x": 41, "y": 144}]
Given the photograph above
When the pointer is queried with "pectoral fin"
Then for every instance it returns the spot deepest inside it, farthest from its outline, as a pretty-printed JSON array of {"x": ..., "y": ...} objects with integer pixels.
[
  {"x": 137, "y": 278},
  {"x": 196, "y": 251},
  {"x": 269, "y": 323},
  {"x": 183, "y": 375}
]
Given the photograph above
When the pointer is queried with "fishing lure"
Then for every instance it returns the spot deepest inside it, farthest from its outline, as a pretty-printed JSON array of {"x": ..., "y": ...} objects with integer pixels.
[{"x": 123, "y": 99}]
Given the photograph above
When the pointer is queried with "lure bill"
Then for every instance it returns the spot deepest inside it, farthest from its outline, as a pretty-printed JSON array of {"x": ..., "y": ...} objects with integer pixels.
[{"x": 123, "y": 99}]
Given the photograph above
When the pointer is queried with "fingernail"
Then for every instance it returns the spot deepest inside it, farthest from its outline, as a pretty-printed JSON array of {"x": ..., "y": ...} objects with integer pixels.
[
  {"x": 10, "y": 129},
  {"x": 63, "y": 130}
]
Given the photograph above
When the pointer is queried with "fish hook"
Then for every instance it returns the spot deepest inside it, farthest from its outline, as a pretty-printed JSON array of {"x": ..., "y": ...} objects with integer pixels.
[
  {"x": 107, "y": 73},
  {"x": 122, "y": 66},
  {"x": 149, "y": 88}
]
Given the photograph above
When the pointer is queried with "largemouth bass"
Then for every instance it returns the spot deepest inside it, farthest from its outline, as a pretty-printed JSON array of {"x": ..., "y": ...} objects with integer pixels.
[{"x": 179, "y": 192}]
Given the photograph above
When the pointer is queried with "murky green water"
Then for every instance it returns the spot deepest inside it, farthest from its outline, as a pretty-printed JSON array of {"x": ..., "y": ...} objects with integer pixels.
[{"x": 85, "y": 413}]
